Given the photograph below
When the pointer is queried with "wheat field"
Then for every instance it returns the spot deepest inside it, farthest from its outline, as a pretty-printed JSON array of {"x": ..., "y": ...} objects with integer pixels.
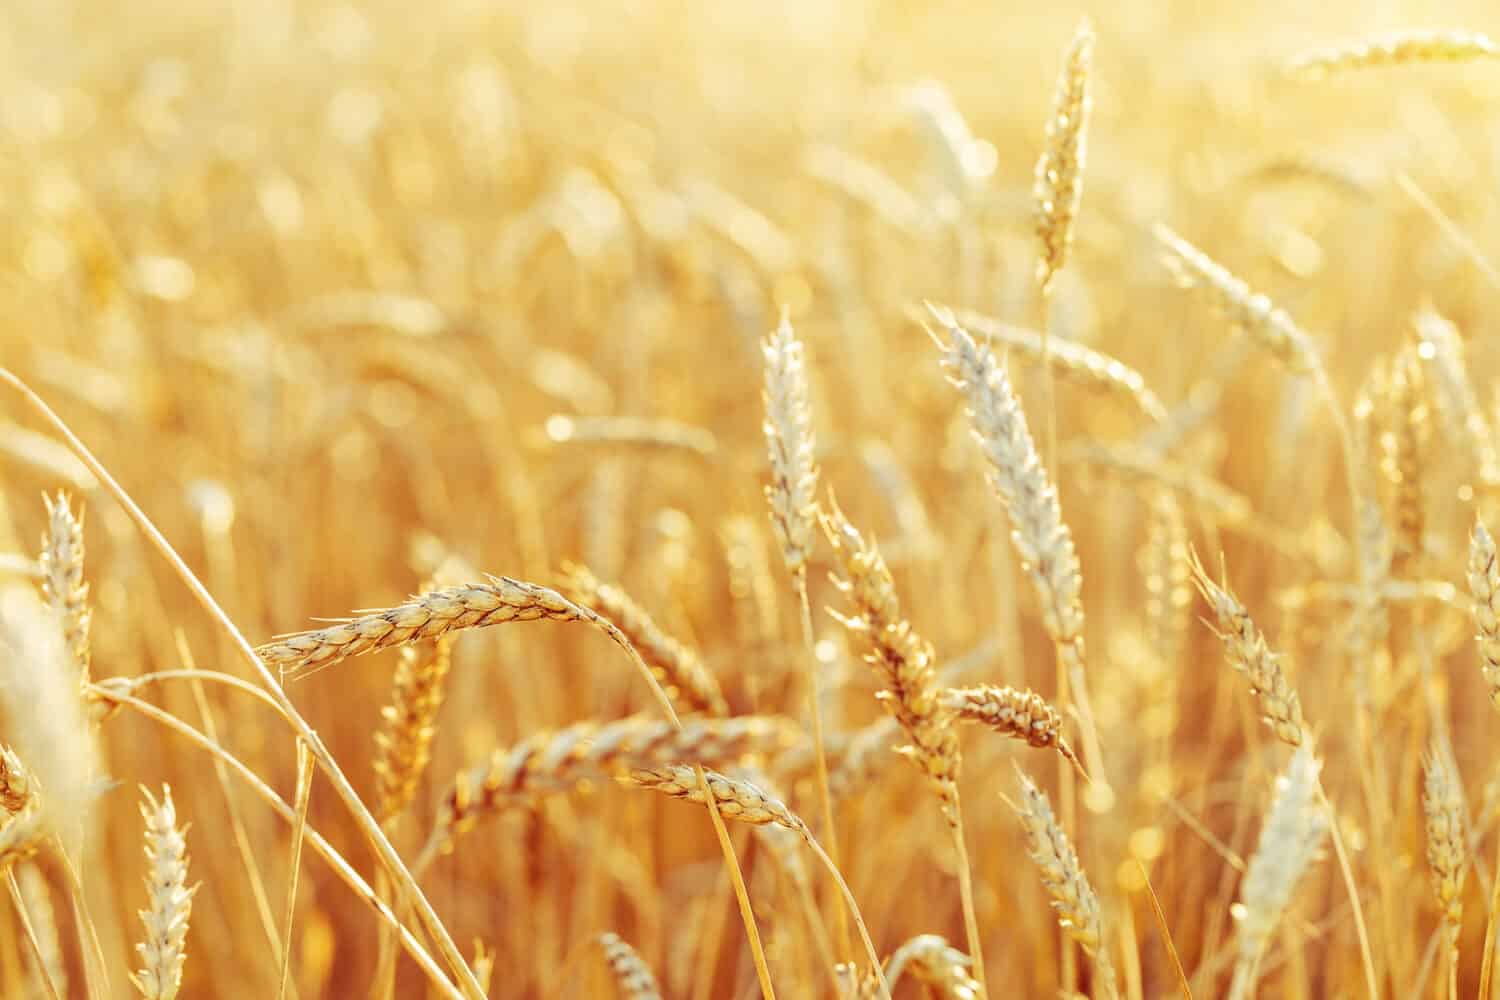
[{"x": 1015, "y": 482}]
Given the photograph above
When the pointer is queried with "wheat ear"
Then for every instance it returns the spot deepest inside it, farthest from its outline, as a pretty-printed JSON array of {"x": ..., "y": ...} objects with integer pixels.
[
  {"x": 1022, "y": 715},
  {"x": 1444, "y": 358},
  {"x": 403, "y": 746},
  {"x": 17, "y": 789},
  {"x": 1095, "y": 370},
  {"x": 1246, "y": 651},
  {"x": 1289, "y": 842},
  {"x": 1484, "y": 585},
  {"x": 1058, "y": 187},
  {"x": 1252, "y": 312},
  {"x": 62, "y": 586},
  {"x": 1394, "y": 49},
  {"x": 169, "y": 900},
  {"x": 1447, "y": 854},
  {"x": 1073, "y": 896},
  {"x": 942, "y": 970},
  {"x": 426, "y": 616},
  {"x": 632, "y": 974},
  {"x": 681, "y": 671}
]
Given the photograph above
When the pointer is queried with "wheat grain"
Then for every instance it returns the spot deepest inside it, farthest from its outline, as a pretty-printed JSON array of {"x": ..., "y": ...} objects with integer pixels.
[
  {"x": 1246, "y": 650},
  {"x": 1058, "y": 187},
  {"x": 678, "y": 667},
  {"x": 16, "y": 786},
  {"x": 632, "y": 974},
  {"x": 169, "y": 900}
]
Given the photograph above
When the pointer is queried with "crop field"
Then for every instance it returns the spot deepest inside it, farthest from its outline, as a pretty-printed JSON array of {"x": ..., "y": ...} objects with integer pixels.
[{"x": 703, "y": 500}]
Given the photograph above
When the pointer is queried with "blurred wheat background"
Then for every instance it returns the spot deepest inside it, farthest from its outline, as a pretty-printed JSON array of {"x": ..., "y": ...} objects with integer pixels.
[{"x": 356, "y": 301}]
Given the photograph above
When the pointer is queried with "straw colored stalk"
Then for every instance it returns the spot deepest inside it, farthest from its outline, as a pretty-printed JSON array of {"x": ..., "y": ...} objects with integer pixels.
[
  {"x": 43, "y": 918},
  {"x": 1058, "y": 186},
  {"x": 681, "y": 671}
]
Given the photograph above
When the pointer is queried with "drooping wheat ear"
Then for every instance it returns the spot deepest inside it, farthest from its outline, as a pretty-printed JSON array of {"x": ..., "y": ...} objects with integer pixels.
[
  {"x": 169, "y": 900},
  {"x": 1147, "y": 469},
  {"x": 1058, "y": 187},
  {"x": 54, "y": 967},
  {"x": 1484, "y": 585},
  {"x": 1443, "y": 354},
  {"x": 1077, "y": 905},
  {"x": 1402, "y": 458},
  {"x": 63, "y": 588},
  {"x": 678, "y": 667},
  {"x": 552, "y": 762},
  {"x": 403, "y": 745},
  {"x": 1447, "y": 855},
  {"x": 1246, "y": 650},
  {"x": 737, "y": 799},
  {"x": 1252, "y": 312},
  {"x": 16, "y": 786},
  {"x": 903, "y": 658},
  {"x": 941, "y": 968},
  {"x": 1093, "y": 369},
  {"x": 1290, "y": 840},
  {"x": 751, "y": 584},
  {"x": 868, "y": 185},
  {"x": 1167, "y": 570},
  {"x": 632, "y": 974},
  {"x": 21, "y": 836},
  {"x": 1398, "y": 48},
  {"x": 630, "y": 433},
  {"x": 1022, "y": 715},
  {"x": 426, "y": 616},
  {"x": 1042, "y": 540},
  {"x": 793, "y": 489}
]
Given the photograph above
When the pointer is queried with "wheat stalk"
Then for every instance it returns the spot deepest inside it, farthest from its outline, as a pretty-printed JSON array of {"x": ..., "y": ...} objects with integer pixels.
[
  {"x": 632, "y": 974},
  {"x": 680, "y": 669},
  {"x": 1394, "y": 49},
  {"x": 1246, "y": 651},
  {"x": 1073, "y": 897},
  {"x": 52, "y": 971},
  {"x": 1058, "y": 187},
  {"x": 641, "y": 433},
  {"x": 169, "y": 900}
]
